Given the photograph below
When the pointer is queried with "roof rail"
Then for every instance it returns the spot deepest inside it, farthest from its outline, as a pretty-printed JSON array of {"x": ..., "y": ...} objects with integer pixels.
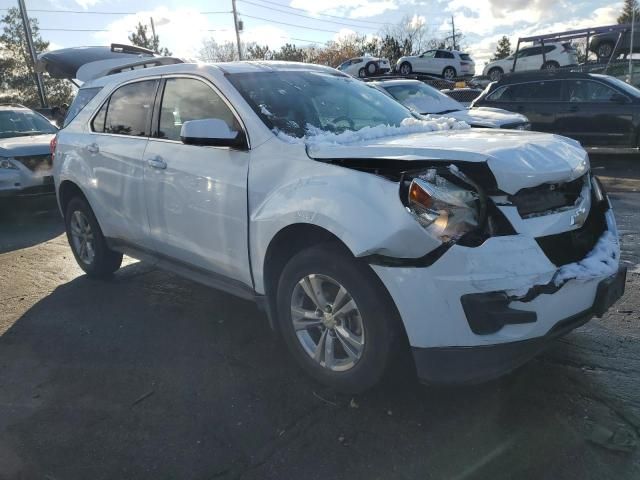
[{"x": 123, "y": 48}]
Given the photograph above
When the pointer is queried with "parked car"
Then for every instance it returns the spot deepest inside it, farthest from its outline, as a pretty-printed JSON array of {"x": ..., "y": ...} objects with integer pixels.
[
  {"x": 450, "y": 64},
  {"x": 25, "y": 161},
  {"x": 362, "y": 230},
  {"x": 530, "y": 58},
  {"x": 597, "y": 110},
  {"x": 427, "y": 100},
  {"x": 604, "y": 44},
  {"x": 365, "y": 66}
]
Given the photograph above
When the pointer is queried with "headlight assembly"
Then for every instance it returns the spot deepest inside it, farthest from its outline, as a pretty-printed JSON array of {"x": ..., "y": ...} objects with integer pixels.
[
  {"x": 444, "y": 209},
  {"x": 5, "y": 163}
]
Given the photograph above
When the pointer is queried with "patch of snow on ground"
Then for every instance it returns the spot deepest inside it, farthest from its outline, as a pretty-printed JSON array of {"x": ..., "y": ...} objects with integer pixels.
[
  {"x": 316, "y": 136},
  {"x": 601, "y": 261}
]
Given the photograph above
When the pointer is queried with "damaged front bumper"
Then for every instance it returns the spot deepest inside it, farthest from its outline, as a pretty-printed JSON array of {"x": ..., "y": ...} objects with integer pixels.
[{"x": 479, "y": 312}]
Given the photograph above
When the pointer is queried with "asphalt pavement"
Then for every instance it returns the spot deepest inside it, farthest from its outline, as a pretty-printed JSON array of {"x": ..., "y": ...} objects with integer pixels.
[{"x": 149, "y": 376}]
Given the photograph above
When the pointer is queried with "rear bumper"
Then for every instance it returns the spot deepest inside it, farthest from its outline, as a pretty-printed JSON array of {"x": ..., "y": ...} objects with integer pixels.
[{"x": 459, "y": 365}]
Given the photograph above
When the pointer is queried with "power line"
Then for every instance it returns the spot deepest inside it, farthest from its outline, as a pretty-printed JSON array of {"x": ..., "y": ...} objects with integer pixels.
[
  {"x": 308, "y": 16},
  {"x": 289, "y": 24}
]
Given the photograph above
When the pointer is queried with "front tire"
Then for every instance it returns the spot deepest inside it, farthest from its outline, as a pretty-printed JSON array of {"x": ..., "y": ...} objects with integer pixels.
[
  {"x": 337, "y": 319},
  {"x": 87, "y": 242}
]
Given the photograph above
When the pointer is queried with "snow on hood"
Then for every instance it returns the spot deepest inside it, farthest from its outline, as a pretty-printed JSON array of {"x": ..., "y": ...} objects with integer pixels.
[
  {"x": 428, "y": 123},
  {"x": 488, "y": 117},
  {"x": 518, "y": 159},
  {"x": 21, "y": 146}
]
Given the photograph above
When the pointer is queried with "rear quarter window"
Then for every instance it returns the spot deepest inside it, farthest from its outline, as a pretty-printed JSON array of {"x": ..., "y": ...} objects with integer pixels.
[
  {"x": 83, "y": 97},
  {"x": 465, "y": 56}
]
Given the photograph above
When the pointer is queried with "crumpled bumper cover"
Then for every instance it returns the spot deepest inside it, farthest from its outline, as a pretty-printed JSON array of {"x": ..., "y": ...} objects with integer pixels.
[{"x": 454, "y": 365}]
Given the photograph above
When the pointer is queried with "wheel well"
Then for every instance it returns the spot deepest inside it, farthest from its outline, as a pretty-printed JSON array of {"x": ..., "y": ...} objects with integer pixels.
[
  {"x": 66, "y": 192},
  {"x": 288, "y": 242}
]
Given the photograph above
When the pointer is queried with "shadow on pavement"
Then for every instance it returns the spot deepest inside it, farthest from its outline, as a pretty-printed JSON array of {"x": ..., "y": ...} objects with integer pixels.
[
  {"x": 151, "y": 376},
  {"x": 28, "y": 221}
]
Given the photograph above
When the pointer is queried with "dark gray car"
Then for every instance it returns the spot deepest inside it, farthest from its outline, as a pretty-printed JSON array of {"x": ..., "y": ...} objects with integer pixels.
[{"x": 604, "y": 44}]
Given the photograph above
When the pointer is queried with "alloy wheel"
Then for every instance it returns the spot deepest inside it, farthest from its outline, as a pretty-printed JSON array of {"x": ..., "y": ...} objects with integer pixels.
[
  {"x": 327, "y": 322},
  {"x": 82, "y": 237},
  {"x": 405, "y": 69},
  {"x": 605, "y": 50},
  {"x": 449, "y": 74}
]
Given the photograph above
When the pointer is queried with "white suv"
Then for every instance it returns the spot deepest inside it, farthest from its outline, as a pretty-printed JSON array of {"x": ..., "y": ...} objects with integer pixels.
[
  {"x": 363, "y": 231},
  {"x": 556, "y": 55},
  {"x": 450, "y": 64}
]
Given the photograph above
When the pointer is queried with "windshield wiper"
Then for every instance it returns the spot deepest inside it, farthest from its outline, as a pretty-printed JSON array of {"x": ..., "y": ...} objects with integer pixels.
[{"x": 447, "y": 111}]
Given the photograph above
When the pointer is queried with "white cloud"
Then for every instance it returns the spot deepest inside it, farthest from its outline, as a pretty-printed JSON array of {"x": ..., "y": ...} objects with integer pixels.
[{"x": 350, "y": 8}]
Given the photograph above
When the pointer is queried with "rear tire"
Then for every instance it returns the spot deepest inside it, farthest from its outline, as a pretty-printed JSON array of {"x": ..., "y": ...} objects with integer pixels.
[
  {"x": 362, "y": 73},
  {"x": 405, "y": 69},
  {"x": 363, "y": 339},
  {"x": 495, "y": 74},
  {"x": 449, "y": 73},
  {"x": 551, "y": 65},
  {"x": 605, "y": 50},
  {"x": 87, "y": 242}
]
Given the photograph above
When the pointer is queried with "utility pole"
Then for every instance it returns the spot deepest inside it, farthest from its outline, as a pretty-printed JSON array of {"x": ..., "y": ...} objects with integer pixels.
[
  {"x": 32, "y": 52},
  {"x": 153, "y": 32},
  {"x": 235, "y": 24},
  {"x": 453, "y": 33},
  {"x": 633, "y": 24}
]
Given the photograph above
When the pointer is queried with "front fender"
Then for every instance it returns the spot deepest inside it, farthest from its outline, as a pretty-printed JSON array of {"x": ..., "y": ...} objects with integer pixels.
[{"x": 363, "y": 210}]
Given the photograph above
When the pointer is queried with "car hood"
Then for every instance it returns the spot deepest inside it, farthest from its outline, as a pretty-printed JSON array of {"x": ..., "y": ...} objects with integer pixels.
[
  {"x": 518, "y": 159},
  {"x": 488, "y": 117},
  {"x": 23, "y": 146}
]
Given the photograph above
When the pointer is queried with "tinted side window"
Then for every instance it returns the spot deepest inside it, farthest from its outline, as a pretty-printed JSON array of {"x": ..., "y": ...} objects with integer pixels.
[
  {"x": 189, "y": 99},
  {"x": 84, "y": 96},
  {"x": 444, "y": 54},
  {"x": 549, "y": 91},
  {"x": 130, "y": 108},
  {"x": 549, "y": 48},
  {"x": 588, "y": 91},
  {"x": 97, "y": 125}
]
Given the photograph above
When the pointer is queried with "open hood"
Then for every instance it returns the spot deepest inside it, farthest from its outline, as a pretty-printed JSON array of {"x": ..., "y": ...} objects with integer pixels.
[
  {"x": 87, "y": 63},
  {"x": 517, "y": 159}
]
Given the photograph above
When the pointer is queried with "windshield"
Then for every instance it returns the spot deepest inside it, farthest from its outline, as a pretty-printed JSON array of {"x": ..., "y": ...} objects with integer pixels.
[
  {"x": 295, "y": 101},
  {"x": 630, "y": 89},
  {"x": 423, "y": 98},
  {"x": 16, "y": 123}
]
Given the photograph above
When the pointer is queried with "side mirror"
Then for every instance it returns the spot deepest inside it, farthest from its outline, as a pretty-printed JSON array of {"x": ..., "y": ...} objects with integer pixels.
[{"x": 212, "y": 132}]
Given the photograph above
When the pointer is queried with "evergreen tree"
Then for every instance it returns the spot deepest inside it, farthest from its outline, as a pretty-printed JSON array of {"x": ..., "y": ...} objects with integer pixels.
[
  {"x": 503, "y": 49},
  {"x": 627, "y": 11},
  {"x": 142, "y": 38},
  {"x": 17, "y": 81}
]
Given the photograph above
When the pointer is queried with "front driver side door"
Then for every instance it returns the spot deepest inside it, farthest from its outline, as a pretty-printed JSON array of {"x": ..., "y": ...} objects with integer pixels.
[
  {"x": 196, "y": 195},
  {"x": 424, "y": 63}
]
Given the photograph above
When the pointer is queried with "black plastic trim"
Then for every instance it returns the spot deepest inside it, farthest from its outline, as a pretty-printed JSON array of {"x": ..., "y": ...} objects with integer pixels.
[{"x": 489, "y": 312}]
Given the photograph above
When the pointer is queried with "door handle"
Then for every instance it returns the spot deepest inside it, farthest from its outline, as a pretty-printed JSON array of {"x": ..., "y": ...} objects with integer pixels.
[
  {"x": 157, "y": 162},
  {"x": 93, "y": 148}
]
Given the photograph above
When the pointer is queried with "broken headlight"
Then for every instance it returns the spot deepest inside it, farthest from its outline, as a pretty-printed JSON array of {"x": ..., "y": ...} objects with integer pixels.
[{"x": 443, "y": 208}]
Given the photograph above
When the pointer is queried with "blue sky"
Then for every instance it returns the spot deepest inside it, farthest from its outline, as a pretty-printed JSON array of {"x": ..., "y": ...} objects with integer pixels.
[{"x": 183, "y": 25}]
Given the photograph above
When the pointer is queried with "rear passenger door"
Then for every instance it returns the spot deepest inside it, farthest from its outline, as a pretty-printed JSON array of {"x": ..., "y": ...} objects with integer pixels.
[
  {"x": 598, "y": 115},
  {"x": 197, "y": 195},
  {"x": 540, "y": 101},
  {"x": 115, "y": 149}
]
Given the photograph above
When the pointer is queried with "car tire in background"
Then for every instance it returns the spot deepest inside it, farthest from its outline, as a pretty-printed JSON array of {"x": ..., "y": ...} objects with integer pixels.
[
  {"x": 362, "y": 73},
  {"x": 337, "y": 319},
  {"x": 605, "y": 50},
  {"x": 449, "y": 73},
  {"x": 87, "y": 242},
  {"x": 551, "y": 65},
  {"x": 371, "y": 68},
  {"x": 405, "y": 68},
  {"x": 495, "y": 74}
]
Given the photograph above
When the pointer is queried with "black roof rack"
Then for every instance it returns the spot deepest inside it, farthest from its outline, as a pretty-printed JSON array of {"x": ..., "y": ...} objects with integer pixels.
[{"x": 123, "y": 48}]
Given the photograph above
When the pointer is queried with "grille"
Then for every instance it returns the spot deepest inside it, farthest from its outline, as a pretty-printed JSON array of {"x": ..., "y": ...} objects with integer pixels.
[
  {"x": 35, "y": 162},
  {"x": 569, "y": 247},
  {"x": 548, "y": 197}
]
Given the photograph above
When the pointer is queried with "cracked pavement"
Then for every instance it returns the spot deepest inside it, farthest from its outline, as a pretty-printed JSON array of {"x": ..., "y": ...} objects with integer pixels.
[{"x": 152, "y": 376}]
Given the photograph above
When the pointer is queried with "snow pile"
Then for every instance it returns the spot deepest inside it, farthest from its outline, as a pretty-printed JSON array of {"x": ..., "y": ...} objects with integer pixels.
[
  {"x": 602, "y": 261},
  {"x": 428, "y": 123}
]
